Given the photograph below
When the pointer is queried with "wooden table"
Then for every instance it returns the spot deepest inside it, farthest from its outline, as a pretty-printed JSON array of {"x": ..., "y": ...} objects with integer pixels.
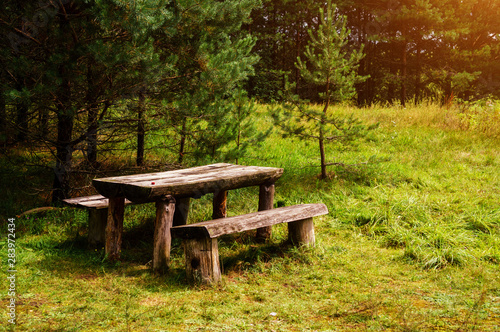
[{"x": 171, "y": 191}]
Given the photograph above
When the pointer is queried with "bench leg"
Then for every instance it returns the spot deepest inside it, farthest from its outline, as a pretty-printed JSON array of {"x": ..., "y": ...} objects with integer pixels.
[
  {"x": 219, "y": 205},
  {"x": 301, "y": 232},
  {"x": 114, "y": 227},
  {"x": 202, "y": 260},
  {"x": 165, "y": 210},
  {"x": 98, "y": 219},
  {"x": 266, "y": 201}
]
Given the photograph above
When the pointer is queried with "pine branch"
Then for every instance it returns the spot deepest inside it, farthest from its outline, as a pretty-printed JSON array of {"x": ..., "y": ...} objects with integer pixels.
[
  {"x": 335, "y": 138},
  {"x": 338, "y": 164},
  {"x": 21, "y": 32}
]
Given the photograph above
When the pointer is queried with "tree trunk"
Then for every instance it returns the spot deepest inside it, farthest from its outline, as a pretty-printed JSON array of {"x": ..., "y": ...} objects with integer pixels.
[
  {"x": 64, "y": 155},
  {"x": 22, "y": 107},
  {"x": 43, "y": 119},
  {"x": 418, "y": 75},
  {"x": 92, "y": 118},
  {"x": 404, "y": 69},
  {"x": 321, "y": 131},
  {"x": 297, "y": 54},
  {"x": 361, "y": 87},
  {"x": 322, "y": 153},
  {"x": 3, "y": 118},
  {"x": 275, "y": 56},
  {"x": 92, "y": 137},
  {"x": 65, "y": 122},
  {"x": 140, "y": 130},
  {"x": 448, "y": 91},
  {"x": 391, "y": 86},
  {"x": 182, "y": 142},
  {"x": 238, "y": 137}
]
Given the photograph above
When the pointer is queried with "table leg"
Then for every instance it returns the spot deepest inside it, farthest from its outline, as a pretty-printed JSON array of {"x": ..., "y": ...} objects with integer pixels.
[
  {"x": 114, "y": 227},
  {"x": 165, "y": 210},
  {"x": 220, "y": 205},
  {"x": 266, "y": 201},
  {"x": 181, "y": 211}
]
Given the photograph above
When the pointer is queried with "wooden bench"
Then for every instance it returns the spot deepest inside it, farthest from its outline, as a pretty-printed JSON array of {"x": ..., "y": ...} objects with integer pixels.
[
  {"x": 97, "y": 206},
  {"x": 200, "y": 239}
]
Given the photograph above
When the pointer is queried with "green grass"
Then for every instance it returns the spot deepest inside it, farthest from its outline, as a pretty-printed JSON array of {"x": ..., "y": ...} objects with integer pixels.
[{"x": 411, "y": 243}]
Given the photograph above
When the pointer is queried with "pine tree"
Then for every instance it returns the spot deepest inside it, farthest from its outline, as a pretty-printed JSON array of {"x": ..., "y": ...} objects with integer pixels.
[
  {"x": 281, "y": 29},
  {"x": 247, "y": 132},
  {"x": 86, "y": 56},
  {"x": 332, "y": 68},
  {"x": 213, "y": 58},
  {"x": 415, "y": 49},
  {"x": 227, "y": 135}
]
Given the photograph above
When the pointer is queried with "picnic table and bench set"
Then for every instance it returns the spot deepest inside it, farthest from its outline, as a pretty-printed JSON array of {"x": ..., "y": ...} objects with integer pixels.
[{"x": 171, "y": 192}]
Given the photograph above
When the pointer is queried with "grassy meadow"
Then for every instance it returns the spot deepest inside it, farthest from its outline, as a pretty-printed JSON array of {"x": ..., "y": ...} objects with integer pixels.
[{"x": 411, "y": 243}]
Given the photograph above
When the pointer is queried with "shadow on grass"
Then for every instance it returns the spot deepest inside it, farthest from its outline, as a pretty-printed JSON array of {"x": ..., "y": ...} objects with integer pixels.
[
  {"x": 240, "y": 252},
  {"x": 73, "y": 256}
]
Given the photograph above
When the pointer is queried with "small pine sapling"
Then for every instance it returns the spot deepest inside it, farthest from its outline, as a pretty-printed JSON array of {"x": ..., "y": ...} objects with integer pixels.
[{"x": 331, "y": 68}]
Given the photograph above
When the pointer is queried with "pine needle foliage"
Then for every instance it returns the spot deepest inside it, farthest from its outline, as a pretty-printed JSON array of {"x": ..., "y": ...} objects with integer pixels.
[
  {"x": 329, "y": 63},
  {"x": 331, "y": 69}
]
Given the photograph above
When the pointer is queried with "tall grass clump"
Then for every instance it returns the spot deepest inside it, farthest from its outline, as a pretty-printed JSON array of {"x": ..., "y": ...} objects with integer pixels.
[
  {"x": 423, "y": 237},
  {"x": 481, "y": 117},
  {"x": 428, "y": 195}
]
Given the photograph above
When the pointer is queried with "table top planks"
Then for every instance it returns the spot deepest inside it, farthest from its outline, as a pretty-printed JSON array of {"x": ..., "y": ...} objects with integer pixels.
[{"x": 189, "y": 182}]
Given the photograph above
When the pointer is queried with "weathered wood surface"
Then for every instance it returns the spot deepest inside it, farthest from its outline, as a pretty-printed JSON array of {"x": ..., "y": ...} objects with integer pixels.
[
  {"x": 191, "y": 182},
  {"x": 200, "y": 239},
  {"x": 114, "y": 227},
  {"x": 301, "y": 232},
  {"x": 98, "y": 215},
  {"x": 266, "y": 201},
  {"x": 93, "y": 202},
  {"x": 202, "y": 260},
  {"x": 216, "y": 228},
  {"x": 165, "y": 209},
  {"x": 181, "y": 211},
  {"x": 98, "y": 218},
  {"x": 219, "y": 205}
]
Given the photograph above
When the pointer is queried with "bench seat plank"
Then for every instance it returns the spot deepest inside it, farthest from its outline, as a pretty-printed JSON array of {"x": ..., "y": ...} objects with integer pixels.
[
  {"x": 215, "y": 228},
  {"x": 90, "y": 202},
  {"x": 97, "y": 207}
]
